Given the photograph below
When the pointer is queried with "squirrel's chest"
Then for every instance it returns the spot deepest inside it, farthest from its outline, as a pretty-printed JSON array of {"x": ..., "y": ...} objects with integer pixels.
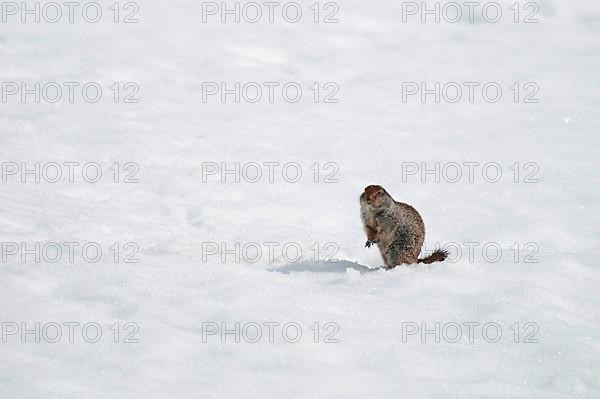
[{"x": 386, "y": 221}]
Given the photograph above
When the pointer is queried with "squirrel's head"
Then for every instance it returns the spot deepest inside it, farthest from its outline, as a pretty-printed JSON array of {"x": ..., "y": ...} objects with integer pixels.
[{"x": 376, "y": 196}]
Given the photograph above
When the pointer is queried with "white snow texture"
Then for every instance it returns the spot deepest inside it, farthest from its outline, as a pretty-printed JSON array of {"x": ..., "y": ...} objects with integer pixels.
[{"x": 421, "y": 331}]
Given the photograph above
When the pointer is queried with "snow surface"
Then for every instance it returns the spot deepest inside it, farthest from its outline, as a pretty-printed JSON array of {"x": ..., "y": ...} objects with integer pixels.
[{"x": 171, "y": 292}]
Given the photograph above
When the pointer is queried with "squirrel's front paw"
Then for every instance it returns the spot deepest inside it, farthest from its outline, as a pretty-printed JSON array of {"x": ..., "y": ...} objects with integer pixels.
[{"x": 369, "y": 243}]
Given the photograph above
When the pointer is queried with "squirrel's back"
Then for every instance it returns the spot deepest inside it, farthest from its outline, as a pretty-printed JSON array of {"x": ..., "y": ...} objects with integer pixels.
[{"x": 403, "y": 234}]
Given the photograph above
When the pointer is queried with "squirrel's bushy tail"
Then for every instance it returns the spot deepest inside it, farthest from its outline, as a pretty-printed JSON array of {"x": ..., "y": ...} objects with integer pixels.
[{"x": 438, "y": 256}]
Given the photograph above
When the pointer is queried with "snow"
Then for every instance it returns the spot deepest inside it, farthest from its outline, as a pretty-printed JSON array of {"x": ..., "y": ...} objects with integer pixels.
[{"x": 177, "y": 291}]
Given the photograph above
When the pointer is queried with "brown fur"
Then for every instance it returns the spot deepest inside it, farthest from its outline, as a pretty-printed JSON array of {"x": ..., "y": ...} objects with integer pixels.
[
  {"x": 439, "y": 255},
  {"x": 395, "y": 227}
]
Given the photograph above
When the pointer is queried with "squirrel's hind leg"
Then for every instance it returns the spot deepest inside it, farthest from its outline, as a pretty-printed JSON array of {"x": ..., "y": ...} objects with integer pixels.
[{"x": 393, "y": 257}]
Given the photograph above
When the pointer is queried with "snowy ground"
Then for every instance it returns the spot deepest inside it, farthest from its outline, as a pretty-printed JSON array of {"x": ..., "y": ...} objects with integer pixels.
[{"x": 180, "y": 291}]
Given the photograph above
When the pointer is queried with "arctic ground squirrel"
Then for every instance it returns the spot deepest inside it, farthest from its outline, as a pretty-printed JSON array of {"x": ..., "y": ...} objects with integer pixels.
[{"x": 395, "y": 227}]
